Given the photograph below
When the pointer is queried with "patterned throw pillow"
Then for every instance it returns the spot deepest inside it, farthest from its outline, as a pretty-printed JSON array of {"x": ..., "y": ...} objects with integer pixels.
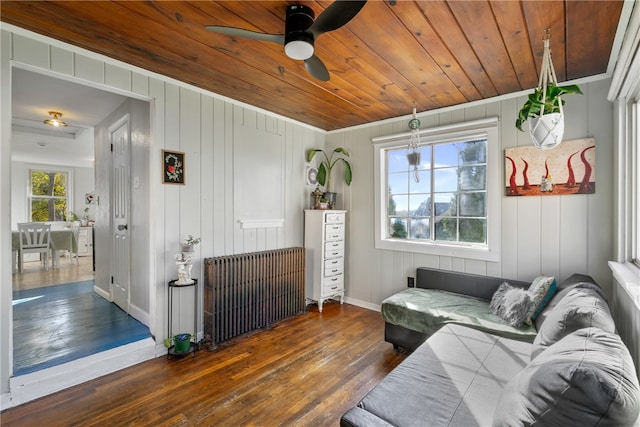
[
  {"x": 511, "y": 304},
  {"x": 541, "y": 290}
]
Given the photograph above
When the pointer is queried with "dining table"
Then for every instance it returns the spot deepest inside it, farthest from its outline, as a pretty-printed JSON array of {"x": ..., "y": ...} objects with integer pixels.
[{"x": 61, "y": 240}]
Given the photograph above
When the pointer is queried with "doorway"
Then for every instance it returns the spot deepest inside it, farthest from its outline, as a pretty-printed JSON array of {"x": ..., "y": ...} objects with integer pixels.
[{"x": 86, "y": 110}]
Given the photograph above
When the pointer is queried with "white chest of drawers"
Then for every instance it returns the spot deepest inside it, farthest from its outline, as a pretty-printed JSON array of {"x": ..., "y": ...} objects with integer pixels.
[{"x": 324, "y": 232}]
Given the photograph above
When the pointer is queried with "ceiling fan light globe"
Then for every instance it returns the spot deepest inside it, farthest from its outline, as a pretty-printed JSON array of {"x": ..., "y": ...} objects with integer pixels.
[{"x": 299, "y": 49}]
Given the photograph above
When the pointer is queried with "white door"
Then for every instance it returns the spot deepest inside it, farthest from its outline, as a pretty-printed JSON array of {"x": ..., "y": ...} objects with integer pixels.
[{"x": 119, "y": 135}]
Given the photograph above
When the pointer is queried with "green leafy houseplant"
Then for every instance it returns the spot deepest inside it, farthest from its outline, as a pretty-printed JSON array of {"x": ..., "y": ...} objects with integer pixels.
[
  {"x": 534, "y": 105},
  {"x": 326, "y": 165}
]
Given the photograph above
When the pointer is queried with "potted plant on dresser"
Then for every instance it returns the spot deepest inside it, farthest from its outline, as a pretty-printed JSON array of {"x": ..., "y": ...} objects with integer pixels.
[{"x": 325, "y": 168}]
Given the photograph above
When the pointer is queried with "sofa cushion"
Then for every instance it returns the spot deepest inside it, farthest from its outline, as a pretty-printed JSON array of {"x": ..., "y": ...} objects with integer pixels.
[
  {"x": 580, "y": 308},
  {"x": 575, "y": 281},
  {"x": 541, "y": 291},
  {"x": 427, "y": 310},
  {"x": 587, "y": 378},
  {"x": 511, "y": 304},
  {"x": 453, "y": 379}
]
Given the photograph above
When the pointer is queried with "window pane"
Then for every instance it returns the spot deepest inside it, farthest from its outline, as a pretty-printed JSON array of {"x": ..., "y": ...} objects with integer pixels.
[
  {"x": 399, "y": 183},
  {"x": 446, "y": 179},
  {"x": 40, "y": 183},
  {"x": 60, "y": 184},
  {"x": 446, "y": 229},
  {"x": 472, "y": 204},
  {"x": 444, "y": 203},
  {"x": 473, "y": 230},
  {"x": 419, "y": 205},
  {"x": 49, "y": 209},
  {"x": 397, "y": 160},
  {"x": 424, "y": 185},
  {"x": 473, "y": 152},
  {"x": 398, "y": 228},
  {"x": 473, "y": 177},
  {"x": 399, "y": 204},
  {"x": 445, "y": 155},
  {"x": 419, "y": 229},
  {"x": 425, "y": 158}
]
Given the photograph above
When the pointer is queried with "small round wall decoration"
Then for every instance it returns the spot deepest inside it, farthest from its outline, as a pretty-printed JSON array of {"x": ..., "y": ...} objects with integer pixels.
[
  {"x": 173, "y": 169},
  {"x": 312, "y": 175}
]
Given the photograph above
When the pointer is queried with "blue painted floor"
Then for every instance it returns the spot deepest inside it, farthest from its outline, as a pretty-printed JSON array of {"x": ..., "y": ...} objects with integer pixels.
[{"x": 57, "y": 324}]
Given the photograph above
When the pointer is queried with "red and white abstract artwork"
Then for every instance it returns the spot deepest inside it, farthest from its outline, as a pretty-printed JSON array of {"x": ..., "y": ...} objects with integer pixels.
[{"x": 570, "y": 168}]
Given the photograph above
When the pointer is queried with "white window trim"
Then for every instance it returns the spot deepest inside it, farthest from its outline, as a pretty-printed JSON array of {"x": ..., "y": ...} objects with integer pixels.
[
  {"x": 635, "y": 186},
  {"x": 491, "y": 252}
]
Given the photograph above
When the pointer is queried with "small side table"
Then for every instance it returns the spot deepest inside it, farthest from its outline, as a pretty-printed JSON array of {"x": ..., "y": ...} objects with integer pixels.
[{"x": 193, "y": 346}]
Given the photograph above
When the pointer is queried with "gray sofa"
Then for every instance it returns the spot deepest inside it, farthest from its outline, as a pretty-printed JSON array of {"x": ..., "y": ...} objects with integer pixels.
[{"x": 575, "y": 372}]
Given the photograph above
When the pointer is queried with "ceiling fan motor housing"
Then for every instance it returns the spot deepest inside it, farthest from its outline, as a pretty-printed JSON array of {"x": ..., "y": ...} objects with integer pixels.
[{"x": 298, "y": 41}]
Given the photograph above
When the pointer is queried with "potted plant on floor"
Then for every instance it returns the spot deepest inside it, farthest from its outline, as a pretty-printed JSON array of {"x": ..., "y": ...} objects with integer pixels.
[
  {"x": 325, "y": 168},
  {"x": 181, "y": 342}
]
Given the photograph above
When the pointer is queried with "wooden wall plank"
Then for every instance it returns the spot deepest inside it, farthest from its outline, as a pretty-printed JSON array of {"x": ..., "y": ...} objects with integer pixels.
[
  {"x": 139, "y": 84},
  {"x": 117, "y": 77},
  {"x": 29, "y": 51},
  {"x": 89, "y": 69},
  {"x": 61, "y": 61}
]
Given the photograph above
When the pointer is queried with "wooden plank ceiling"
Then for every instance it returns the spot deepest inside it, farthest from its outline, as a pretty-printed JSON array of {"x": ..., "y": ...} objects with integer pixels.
[{"x": 391, "y": 56}]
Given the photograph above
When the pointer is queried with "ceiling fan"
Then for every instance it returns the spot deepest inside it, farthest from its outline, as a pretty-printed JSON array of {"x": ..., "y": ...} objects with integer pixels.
[{"x": 301, "y": 31}]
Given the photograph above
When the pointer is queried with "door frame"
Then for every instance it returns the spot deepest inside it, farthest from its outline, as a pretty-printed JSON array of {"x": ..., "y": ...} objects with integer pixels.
[{"x": 7, "y": 149}]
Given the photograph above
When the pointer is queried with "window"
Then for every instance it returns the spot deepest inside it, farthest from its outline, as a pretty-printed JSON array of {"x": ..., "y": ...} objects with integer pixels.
[
  {"x": 445, "y": 204},
  {"x": 49, "y": 196}
]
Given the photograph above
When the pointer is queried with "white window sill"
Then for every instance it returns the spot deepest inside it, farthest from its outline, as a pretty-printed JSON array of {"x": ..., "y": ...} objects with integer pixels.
[{"x": 628, "y": 276}]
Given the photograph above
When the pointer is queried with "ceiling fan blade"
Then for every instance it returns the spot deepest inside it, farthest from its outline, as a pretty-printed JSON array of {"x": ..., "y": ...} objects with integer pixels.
[
  {"x": 247, "y": 34},
  {"x": 316, "y": 68},
  {"x": 335, "y": 16}
]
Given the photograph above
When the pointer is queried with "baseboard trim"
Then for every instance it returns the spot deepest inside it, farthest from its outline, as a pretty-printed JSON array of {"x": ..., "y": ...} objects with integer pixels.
[
  {"x": 363, "y": 304},
  {"x": 25, "y": 388}
]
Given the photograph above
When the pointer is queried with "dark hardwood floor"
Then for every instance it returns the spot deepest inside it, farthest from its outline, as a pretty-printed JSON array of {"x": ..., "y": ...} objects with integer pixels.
[{"x": 305, "y": 371}]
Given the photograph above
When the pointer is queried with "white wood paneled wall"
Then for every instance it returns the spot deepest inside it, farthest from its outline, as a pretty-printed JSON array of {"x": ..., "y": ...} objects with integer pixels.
[
  {"x": 554, "y": 235},
  {"x": 241, "y": 164}
]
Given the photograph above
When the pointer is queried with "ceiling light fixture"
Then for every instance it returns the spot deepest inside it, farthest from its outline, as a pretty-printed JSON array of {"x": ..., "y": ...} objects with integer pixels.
[
  {"x": 298, "y": 41},
  {"x": 55, "y": 121}
]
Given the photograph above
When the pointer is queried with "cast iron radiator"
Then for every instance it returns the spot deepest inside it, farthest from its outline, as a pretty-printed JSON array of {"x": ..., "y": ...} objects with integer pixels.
[{"x": 250, "y": 291}]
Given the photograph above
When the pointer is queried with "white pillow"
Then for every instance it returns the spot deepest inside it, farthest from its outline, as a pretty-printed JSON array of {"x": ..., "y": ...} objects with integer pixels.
[{"x": 511, "y": 304}]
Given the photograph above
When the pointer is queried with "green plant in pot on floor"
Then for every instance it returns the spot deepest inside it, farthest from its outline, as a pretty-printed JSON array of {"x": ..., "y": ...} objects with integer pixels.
[
  {"x": 181, "y": 342},
  {"x": 325, "y": 168}
]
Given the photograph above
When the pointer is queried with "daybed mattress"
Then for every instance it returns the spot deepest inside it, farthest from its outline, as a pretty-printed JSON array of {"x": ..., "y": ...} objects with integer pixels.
[
  {"x": 454, "y": 379},
  {"x": 427, "y": 310}
]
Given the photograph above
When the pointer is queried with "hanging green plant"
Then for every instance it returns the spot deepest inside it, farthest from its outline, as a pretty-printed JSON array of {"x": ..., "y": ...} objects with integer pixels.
[{"x": 551, "y": 103}]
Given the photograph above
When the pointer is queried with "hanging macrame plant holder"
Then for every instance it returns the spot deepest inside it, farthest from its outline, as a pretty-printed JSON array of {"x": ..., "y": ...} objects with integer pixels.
[
  {"x": 413, "y": 153},
  {"x": 547, "y": 129}
]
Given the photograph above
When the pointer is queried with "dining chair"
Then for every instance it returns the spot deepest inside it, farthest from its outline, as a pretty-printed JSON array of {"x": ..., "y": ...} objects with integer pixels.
[
  {"x": 35, "y": 237},
  {"x": 75, "y": 231}
]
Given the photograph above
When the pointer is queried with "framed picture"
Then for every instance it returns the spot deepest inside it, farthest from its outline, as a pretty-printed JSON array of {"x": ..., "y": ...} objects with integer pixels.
[
  {"x": 173, "y": 169},
  {"x": 312, "y": 175},
  {"x": 570, "y": 168}
]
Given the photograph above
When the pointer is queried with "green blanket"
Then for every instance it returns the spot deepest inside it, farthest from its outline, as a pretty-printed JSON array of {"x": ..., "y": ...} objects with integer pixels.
[{"x": 427, "y": 310}]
